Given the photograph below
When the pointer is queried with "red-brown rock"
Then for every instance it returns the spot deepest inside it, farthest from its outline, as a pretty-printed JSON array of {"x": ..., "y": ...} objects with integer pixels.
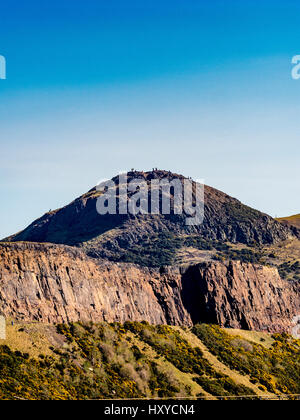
[{"x": 55, "y": 283}]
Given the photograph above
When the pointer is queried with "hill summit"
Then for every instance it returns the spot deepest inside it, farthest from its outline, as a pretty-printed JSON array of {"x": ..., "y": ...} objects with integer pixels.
[{"x": 123, "y": 237}]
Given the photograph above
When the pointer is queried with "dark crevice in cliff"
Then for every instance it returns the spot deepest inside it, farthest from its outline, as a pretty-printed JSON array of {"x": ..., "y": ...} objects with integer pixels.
[{"x": 193, "y": 297}]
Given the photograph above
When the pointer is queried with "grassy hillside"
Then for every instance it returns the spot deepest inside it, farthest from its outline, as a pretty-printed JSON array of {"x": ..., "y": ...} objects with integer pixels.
[
  {"x": 137, "y": 360},
  {"x": 286, "y": 256},
  {"x": 275, "y": 367},
  {"x": 291, "y": 220},
  {"x": 169, "y": 248}
]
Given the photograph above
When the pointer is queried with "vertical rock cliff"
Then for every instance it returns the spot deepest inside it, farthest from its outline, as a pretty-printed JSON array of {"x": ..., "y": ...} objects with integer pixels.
[
  {"x": 240, "y": 295},
  {"x": 55, "y": 283}
]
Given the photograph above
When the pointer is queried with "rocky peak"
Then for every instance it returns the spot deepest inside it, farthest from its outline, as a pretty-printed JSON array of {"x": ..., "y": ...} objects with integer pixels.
[{"x": 113, "y": 236}]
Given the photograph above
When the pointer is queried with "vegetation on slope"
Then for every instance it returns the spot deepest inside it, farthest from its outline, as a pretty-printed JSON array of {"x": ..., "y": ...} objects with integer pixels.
[
  {"x": 276, "y": 369},
  {"x": 162, "y": 250},
  {"x": 137, "y": 360},
  {"x": 170, "y": 344},
  {"x": 170, "y": 249},
  {"x": 290, "y": 270}
]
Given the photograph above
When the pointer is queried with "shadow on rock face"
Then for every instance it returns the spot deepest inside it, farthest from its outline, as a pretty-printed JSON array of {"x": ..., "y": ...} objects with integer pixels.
[{"x": 194, "y": 297}]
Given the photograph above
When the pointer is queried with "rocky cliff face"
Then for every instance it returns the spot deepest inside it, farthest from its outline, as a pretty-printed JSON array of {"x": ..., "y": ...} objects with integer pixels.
[
  {"x": 239, "y": 295},
  {"x": 53, "y": 283}
]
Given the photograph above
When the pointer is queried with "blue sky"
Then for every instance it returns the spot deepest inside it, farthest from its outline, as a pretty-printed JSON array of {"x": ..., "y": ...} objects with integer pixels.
[{"x": 203, "y": 88}]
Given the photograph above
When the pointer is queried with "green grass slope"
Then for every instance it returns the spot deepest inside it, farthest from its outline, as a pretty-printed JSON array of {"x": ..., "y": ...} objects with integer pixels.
[{"x": 138, "y": 360}]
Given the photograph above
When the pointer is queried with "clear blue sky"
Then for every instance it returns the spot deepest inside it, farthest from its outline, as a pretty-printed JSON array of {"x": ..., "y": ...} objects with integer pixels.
[{"x": 198, "y": 87}]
